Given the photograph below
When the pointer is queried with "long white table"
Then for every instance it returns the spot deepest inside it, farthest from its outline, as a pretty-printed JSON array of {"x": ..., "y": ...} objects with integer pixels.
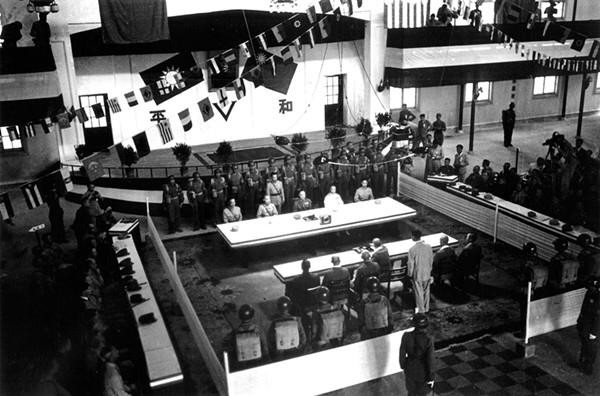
[
  {"x": 285, "y": 227},
  {"x": 161, "y": 359},
  {"x": 350, "y": 258}
]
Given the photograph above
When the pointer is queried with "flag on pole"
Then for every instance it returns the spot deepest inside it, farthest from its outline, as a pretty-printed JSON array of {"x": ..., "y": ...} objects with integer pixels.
[
  {"x": 33, "y": 198},
  {"x": 311, "y": 13},
  {"x": 27, "y": 130},
  {"x": 244, "y": 52},
  {"x": 114, "y": 105},
  {"x": 164, "y": 129},
  {"x": 229, "y": 57},
  {"x": 595, "y": 50},
  {"x": 222, "y": 98},
  {"x": 513, "y": 13},
  {"x": 81, "y": 115},
  {"x": 186, "y": 123},
  {"x": 66, "y": 176},
  {"x": 239, "y": 87},
  {"x": 131, "y": 99},
  {"x": 278, "y": 33},
  {"x": 531, "y": 20},
  {"x": 6, "y": 209},
  {"x": 206, "y": 109},
  {"x": 98, "y": 111},
  {"x": 213, "y": 65},
  {"x": 46, "y": 123},
  {"x": 146, "y": 93},
  {"x": 262, "y": 41},
  {"x": 273, "y": 66}
]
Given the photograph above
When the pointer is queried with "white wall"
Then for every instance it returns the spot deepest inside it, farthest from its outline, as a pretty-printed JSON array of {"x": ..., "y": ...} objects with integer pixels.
[{"x": 256, "y": 115}]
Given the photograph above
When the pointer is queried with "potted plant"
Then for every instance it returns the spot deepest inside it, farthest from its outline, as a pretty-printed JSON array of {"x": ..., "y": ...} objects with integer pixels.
[
  {"x": 182, "y": 153},
  {"x": 224, "y": 151},
  {"x": 382, "y": 119},
  {"x": 299, "y": 142},
  {"x": 130, "y": 157},
  {"x": 281, "y": 140},
  {"x": 364, "y": 128},
  {"x": 336, "y": 136}
]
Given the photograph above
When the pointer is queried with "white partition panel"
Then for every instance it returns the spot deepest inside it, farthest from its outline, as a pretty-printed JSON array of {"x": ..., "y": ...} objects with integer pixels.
[
  {"x": 554, "y": 313},
  {"x": 322, "y": 372}
]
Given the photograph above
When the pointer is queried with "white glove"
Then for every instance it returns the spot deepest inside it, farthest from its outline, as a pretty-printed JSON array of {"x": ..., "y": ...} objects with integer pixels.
[{"x": 592, "y": 337}]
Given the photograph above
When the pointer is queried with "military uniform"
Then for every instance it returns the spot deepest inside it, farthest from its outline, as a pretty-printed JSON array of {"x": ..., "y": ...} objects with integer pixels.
[
  {"x": 288, "y": 173},
  {"x": 252, "y": 185},
  {"x": 302, "y": 204},
  {"x": 236, "y": 179},
  {"x": 275, "y": 191},
  {"x": 248, "y": 346},
  {"x": 324, "y": 185},
  {"x": 589, "y": 264},
  {"x": 172, "y": 200},
  {"x": 328, "y": 325},
  {"x": 378, "y": 175},
  {"x": 218, "y": 187},
  {"x": 311, "y": 182},
  {"x": 588, "y": 324},
  {"x": 286, "y": 336},
  {"x": 375, "y": 316},
  {"x": 196, "y": 193}
]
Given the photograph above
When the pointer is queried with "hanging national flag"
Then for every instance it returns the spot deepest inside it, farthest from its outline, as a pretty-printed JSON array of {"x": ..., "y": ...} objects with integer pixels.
[
  {"x": 26, "y": 130},
  {"x": 98, "y": 111},
  {"x": 324, "y": 28},
  {"x": 296, "y": 26},
  {"x": 286, "y": 54},
  {"x": 244, "y": 52},
  {"x": 32, "y": 194},
  {"x": 311, "y": 14},
  {"x": 298, "y": 48},
  {"x": 46, "y": 124},
  {"x": 141, "y": 144},
  {"x": 186, "y": 121},
  {"x": 131, "y": 99},
  {"x": 114, "y": 105},
  {"x": 6, "y": 209},
  {"x": 273, "y": 66},
  {"x": 392, "y": 14},
  {"x": 206, "y": 109},
  {"x": 239, "y": 87},
  {"x": 66, "y": 176},
  {"x": 285, "y": 73},
  {"x": 254, "y": 75},
  {"x": 278, "y": 33},
  {"x": 466, "y": 13},
  {"x": 81, "y": 115},
  {"x": 146, "y": 93},
  {"x": 578, "y": 42},
  {"x": 93, "y": 167},
  {"x": 531, "y": 20},
  {"x": 213, "y": 66},
  {"x": 13, "y": 134},
  {"x": 556, "y": 32},
  {"x": 172, "y": 76},
  {"x": 164, "y": 129},
  {"x": 220, "y": 110},
  {"x": 222, "y": 98},
  {"x": 595, "y": 50},
  {"x": 311, "y": 38},
  {"x": 229, "y": 56},
  {"x": 325, "y": 6},
  {"x": 262, "y": 41}
]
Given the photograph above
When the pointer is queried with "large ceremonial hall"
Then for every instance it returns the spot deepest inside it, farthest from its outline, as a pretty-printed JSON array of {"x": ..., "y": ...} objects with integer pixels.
[{"x": 299, "y": 197}]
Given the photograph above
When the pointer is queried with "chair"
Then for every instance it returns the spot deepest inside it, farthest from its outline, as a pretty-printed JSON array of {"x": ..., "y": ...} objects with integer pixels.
[{"x": 396, "y": 275}]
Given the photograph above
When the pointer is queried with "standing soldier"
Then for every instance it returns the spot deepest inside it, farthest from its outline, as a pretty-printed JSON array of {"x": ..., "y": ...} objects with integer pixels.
[
  {"x": 236, "y": 179},
  {"x": 564, "y": 268},
  {"x": 286, "y": 334},
  {"x": 269, "y": 170},
  {"x": 378, "y": 173},
  {"x": 172, "y": 200},
  {"x": 288, "y": 172},
  {"x": 416, "y": 357},
  {"x": 324, "y": 184},
  {"x": 311, "y": 174},
  {"x": 275, "y": 192},
  {"x": 218, "y": 189},
  {"x": 249, "y": 343},
  {"x": 589, "y": 259},
  {"x": 461, "y": 161},
  {"x": 376, "y": 313},
  {"x": 196, "y": 192},
  {"x": 328, "y": 321},
  {"x": 343, "y": 176},
  {"x": 588, "y": 326},
  {"x": 252, "y": 184},
  {"x": 56, "y": 216}
]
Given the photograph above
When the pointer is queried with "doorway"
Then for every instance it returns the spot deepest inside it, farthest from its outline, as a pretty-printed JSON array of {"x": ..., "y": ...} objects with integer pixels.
[
  {"x": 334, "y": 100},
  {"x": 97, "y": 132}
]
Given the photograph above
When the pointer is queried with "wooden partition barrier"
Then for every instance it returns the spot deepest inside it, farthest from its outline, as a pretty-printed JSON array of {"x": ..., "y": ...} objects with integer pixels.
[
  {"x": 320, "y": 372},
  {"x": 215, "y": 367},
  {"x": 553, "y": 313},
  {"x": 498, "y": 222}
]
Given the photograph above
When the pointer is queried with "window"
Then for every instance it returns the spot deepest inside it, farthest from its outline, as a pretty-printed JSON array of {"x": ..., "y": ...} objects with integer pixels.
[
  {"x": 400, "y": 96},
  {"x": 7, "y": 143},
  {"x": 560, "y": 9},
  {"x": 86, "y": 101},
  {"x": 332, "y": 90},
  {"x": 485, "y": 91},
  {"x": 546, "y": 85}
]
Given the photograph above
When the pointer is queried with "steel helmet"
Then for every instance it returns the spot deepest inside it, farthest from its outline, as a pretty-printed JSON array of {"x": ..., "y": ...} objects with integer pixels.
[
  {"x": 372, "y": 284},
  {"x": 322, "y": 294},
  {"x": 530, "y": 249},
  {"x": 420, "y": 321},
  {"x": 283, "y": 303},
  {"x": 584, "y": 240},
  {"x": 560, "y": 244},
  {"x": 246, "y": 312}
]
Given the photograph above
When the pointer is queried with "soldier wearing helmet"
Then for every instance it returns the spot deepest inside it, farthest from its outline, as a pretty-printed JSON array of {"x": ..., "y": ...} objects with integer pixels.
[
  {"x": 366, "y": 269},
  {"x": 416, "y": 357},
  {"x": 328, "y": 321},
  {"x": 375, "y": 312},
  {"x": 249, "y": 343},
  {"x": 563, "y": 266},
  {"x": 286, "y": 336},
  {"x": 589, "y": 259}
]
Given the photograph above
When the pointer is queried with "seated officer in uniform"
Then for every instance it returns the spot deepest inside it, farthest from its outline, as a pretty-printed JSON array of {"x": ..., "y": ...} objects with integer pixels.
[
  {"x": 364, "y": 192},
  {"x": 337, "y": 279},
  {"x": 286, "y": 336},
  {"x": 297, "y": 289},
  {"x": 248, "y": 344},
  {"x": 232, "y": 212},
  {"x": 366, "y": 269},
  {"x": 302, "y": 203},
  {"x": 375, "y": 312},
  {"x": 266, "y": 209},
  {"x": 328, "y": 321}
]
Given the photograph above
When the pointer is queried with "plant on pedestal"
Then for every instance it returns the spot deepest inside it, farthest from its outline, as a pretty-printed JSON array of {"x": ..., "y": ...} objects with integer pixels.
[{"x": 182, "y": 153}]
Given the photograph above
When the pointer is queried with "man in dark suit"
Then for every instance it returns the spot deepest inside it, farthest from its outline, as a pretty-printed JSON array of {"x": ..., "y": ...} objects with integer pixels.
[
  {"x": 469, "y": 259},
  {"x": 381, "y": 255},
  {"x": 366, "y": 269},
  {"x": 416, "y": 357},
  {"x": 297, "y": 289},
  {"x": 444, "y": 261},
  {"x": 508, "y": 124},
  {"x": 336, "y": 273},
  {"x": 588, "y": 326}
]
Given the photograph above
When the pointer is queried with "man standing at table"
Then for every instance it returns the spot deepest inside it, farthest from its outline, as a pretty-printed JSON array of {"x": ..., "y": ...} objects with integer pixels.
[
  {"x": 423, "y": 127},
  {"x": 266, "y": 209},
  {"x": 302, "y": 203},
  {"x": 381, "y": 256},
  {"x": 196, "y": 193},
  {"x": 218, "y": 187},
  {"x": 275, "y": 192},
  {"x": 172, "y": 199},
  {"x": 420, "y": 262},
  {"x": 333, "y": 199},
  {"x": 337, "y": 273},
  {"x": 461, "y": 161},
  {"x": 297, "y": 289},
  {"x": 364, "y": 192}
]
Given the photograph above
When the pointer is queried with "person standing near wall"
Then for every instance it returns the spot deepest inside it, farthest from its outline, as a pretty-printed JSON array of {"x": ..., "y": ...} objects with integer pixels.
[
  {"x": 172, "y": 200},
  {"x": 588, "y": 326},
  {"x": 416, "y": 358},
  {"x": 508, "y": 123}
]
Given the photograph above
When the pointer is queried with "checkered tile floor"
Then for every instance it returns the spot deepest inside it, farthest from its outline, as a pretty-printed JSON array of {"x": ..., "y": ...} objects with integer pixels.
[{"x": 484, "y": 367}]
